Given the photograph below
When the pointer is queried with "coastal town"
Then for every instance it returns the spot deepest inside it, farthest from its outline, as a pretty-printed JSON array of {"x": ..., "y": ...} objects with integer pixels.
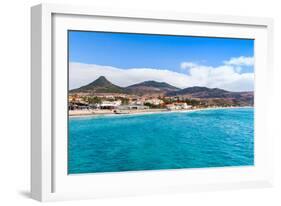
[
  {"x": 101, "y": 97},
  {"x": 111, "y": 104}
]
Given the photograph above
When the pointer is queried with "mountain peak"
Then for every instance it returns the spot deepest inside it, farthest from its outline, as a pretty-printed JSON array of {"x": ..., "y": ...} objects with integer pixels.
[
  {"x": 101, "y": 81},
  {"x": 100, "y": 85},
  {"x": 152, "y": 83},
  {"x": 101, "y": 78}
]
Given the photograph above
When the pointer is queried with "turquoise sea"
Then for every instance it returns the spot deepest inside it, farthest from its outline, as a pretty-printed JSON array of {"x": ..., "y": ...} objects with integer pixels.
[{"x": 196, "y": 139}]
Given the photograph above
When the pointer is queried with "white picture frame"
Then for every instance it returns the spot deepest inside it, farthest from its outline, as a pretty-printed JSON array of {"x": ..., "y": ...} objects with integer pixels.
[{"x": 49, "y": 179}]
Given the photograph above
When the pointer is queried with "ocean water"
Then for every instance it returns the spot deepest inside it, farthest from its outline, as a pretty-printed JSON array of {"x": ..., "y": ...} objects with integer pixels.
[{"x": 197, "y": 139}]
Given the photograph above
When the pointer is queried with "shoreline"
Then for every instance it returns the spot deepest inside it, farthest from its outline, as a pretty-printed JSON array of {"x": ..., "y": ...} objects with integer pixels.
[{"x": 145, "y": 112}]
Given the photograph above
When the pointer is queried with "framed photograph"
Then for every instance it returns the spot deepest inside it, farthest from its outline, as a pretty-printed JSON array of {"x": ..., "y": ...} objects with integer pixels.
[{"x": 134, "y": 102}]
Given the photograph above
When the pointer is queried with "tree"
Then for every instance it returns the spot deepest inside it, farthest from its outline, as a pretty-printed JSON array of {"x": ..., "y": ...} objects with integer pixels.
[
  {"x": 94, "y": 100},
  {"x": 125, "y": 101}
]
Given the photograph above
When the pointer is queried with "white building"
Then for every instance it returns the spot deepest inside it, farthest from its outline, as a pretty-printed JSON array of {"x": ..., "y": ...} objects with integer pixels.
[
  {"x": 183, "y": 105},
  {"x": 109, "y": 104},
  {"x": 132, "y": 107},
  {"x": 178, "y": 106},
  {"x": 170, "y": 106}
]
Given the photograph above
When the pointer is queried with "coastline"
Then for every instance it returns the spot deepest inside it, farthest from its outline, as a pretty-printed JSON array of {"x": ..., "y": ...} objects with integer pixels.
[{"x": 89, "y": 113}]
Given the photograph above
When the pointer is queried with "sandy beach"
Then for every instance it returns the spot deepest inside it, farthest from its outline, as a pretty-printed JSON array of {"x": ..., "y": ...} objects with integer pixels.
[
  {"x": 111, "y": 112},
  {"x": 98, "y": 112}
]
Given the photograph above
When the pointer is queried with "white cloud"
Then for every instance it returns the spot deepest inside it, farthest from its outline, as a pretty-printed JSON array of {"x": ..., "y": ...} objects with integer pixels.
[
  {"x": 240, "y": 61},
  {"x": 187, "y": 65},
  {"x": 81, "y": 74},
  {"x": 224, "y": 77}
]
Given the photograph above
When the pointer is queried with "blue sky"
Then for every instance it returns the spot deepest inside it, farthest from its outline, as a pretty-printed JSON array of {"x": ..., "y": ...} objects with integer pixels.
[
  {"x": 153, "y": 51},
  {"x": 159, "y": 52}
]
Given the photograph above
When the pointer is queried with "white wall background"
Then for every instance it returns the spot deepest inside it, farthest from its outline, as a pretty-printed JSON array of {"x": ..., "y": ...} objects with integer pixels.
[{"x": 15, "y": 95}]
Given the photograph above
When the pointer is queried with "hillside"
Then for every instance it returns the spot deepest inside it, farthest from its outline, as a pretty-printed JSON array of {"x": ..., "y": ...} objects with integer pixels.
[
  {"x": 151, "y": 87},
  {"x": 204, "y": 92},
  {"x": 102, "y": 85},
  {"x": 243, "y": 98}
]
